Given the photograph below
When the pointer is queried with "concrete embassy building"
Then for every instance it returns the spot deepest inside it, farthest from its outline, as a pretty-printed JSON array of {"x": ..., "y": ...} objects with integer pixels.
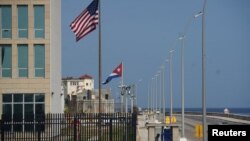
[{"x": 30, "y": 57}]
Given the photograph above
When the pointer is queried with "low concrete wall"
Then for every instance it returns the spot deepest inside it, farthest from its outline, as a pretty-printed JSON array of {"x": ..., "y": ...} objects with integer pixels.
[{"x": 235, "y": 116}]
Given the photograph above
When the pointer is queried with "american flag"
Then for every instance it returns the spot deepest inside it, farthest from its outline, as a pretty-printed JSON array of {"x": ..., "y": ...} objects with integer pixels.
[{"x": 86, "y": 21}]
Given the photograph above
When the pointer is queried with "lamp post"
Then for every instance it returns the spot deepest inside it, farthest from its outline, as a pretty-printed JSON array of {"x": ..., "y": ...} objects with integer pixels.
[
  {"x": 122, "y": 98},
  {"x": 127, "y": 92},
  {"x": 132, "y": 97},
  {"x": 167, "y": 61},
  {"x": 171, "y": 83},
  {"x": 159, "y": 92},
  {"x": 181, "y": 38},
  {"x": 163, "y": 94},
  {"x": 156, "y": 93},
  {"x": 182, "y": 87},
  {"x": 152, "y": 94},
  {"x": 136, "y": 91},
  {"x": 204, "y": 112},
  {"x": 148, "y": 96},
  {"x": 203, "y": 74}
]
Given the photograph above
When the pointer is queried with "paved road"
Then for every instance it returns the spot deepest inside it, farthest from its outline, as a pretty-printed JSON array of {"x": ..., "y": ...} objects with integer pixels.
[{"x": 190, "y": 122}]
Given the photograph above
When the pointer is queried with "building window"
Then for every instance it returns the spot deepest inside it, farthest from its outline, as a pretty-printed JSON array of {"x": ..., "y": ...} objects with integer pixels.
[
  {"x": 39, "y": 21},
  {"x": 73, "y": 83},
  {"x": 23, "y": 60},
  {"x": 22, "y": 21},
  {"x": 5, "y": 21},
  {"x": 6, "y": 60},
  {"x": 22, "y": 107},
  {"x": 39, "y": 50}
]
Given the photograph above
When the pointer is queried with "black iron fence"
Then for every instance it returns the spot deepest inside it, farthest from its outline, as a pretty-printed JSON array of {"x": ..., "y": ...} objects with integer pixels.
[{"x": 69, "y": 127}]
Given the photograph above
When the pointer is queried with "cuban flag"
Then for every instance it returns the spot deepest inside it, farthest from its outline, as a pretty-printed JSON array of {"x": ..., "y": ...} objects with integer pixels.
[{"x": 117, "y": 72}]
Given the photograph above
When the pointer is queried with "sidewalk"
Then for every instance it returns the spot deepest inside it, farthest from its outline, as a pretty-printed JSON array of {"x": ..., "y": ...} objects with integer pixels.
[{"x": 142, "y": 132}]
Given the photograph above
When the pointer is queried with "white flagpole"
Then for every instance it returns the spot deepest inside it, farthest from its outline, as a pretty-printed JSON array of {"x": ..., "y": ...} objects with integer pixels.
[{"x": 99, "y": 68}]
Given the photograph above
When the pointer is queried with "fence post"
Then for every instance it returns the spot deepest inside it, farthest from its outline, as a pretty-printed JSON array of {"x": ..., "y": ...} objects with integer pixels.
[
  {"x": 2, "y": 129},
  {"x": 134, "y": 124},
  {"x": 39, "y": 128},
  {"x": 75, "y": 132},
  {"x": 110, "y": 129}
]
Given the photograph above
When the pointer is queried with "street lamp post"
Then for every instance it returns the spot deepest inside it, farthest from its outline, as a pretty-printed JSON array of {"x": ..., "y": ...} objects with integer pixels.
[
  {"x": 136, "y": 91},
  {"x": 182, "y": 87},
  {"x": 203, "y": 74},
  {"x": 156, "y": 93},
  {"x": 167, "y": 61},
  {"x": 181, "y": 38},
  {"x": 163, "y": 94},
  {"x": 148, "y": 96},
  {"x": 159, "y": 92},
  {"x": 152, "y": 94},
  {"x": 171, "y": 83},
  {"x": 204, "y": 112},
  {"x": 122, "y": 98},
  {"x": 127, "y": 93}
]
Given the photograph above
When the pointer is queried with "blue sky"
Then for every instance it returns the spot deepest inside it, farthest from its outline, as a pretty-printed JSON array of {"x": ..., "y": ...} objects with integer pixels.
[{"x": 140, "y": 34}]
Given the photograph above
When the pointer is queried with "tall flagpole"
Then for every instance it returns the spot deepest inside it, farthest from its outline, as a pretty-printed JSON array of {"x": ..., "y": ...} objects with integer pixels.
[
  {"x": 100, "y": 57},
  {"x": 99, "y": 68}
]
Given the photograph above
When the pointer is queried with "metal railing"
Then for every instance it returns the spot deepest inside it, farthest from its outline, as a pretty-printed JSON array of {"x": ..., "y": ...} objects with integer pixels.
[{"x": 69, "y": 127}]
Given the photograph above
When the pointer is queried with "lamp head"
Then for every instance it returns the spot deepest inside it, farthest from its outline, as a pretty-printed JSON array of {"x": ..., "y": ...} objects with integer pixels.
[{"x": 197, "y": 15}]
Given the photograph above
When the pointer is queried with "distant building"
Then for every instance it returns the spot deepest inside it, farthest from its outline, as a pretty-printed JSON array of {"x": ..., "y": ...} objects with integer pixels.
[
  {"x": 30, "y": 57},
  {"x": 82, "y": 97},
  {"x": 73, "y": 86},
  {"x": 88, "y": 102}
]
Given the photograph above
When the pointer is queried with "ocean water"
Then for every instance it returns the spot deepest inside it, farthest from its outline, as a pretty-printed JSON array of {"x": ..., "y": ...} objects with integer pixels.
[{"x": 239, "y": 111}]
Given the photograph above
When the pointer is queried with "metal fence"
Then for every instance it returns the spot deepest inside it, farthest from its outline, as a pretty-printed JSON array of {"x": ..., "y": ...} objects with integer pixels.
[{"x": 69, "y": 127}]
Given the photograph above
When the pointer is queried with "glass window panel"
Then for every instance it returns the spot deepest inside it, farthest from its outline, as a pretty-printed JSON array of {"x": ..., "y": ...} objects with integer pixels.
[
  {"x": 23, "y": 33},
  {"x": 18, "y": 109},
  {"x": 39, "y": 108},
  {"x": 7, "y": 97},
  {"x": 28, "y": 98},
  {"x": 23, "y": 72},
  {"x": 39, "y": 60},
  {"x": 39, "y": 33},
  {"x": 6, "y": 60},
  {"x": 18, "y": 97},
  {"x": 39, "y": 97},
  {"x": 22, "y": 21},
  {"x": 6, "y": 21},
  {"x": 40, "y": 72},
  {"x": 6, "y": 73},
  {"x": 39, "y": 18},
  {"x": 29, "y": 109},
  {"x": 17, "y": 116},
  {"x": 6, "y": 56},
  {"x": 29, "y": 112},
  {"x": 23, "y": 60},
  {"x": 7, "y": 109}
]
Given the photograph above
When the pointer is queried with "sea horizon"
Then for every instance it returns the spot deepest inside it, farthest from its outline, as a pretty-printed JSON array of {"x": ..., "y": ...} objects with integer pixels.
[{"x": 232, "y": 110}]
